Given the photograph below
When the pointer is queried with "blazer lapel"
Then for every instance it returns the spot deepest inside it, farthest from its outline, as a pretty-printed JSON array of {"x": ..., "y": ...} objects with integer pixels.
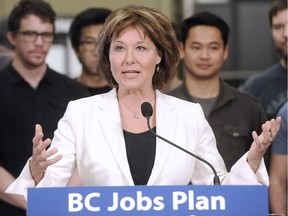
[
  {"x": 111, "y": 123},
  {"x": 166, "y": 122}
]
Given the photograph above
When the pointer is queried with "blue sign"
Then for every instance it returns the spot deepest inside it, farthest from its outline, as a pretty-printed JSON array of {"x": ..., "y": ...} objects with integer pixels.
[{"x": 149, "y": 201}]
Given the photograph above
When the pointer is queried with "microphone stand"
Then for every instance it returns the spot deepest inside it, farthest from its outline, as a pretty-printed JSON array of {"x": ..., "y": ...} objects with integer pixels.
[{"x": 216, "y": 179}]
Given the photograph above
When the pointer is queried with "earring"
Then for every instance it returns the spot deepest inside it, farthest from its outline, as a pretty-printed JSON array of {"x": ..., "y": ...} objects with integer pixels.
[{"x": 157, "y": 68}]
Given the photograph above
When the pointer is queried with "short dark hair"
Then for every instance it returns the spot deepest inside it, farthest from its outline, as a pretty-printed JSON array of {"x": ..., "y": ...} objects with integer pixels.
[
  {"x": 90, "y": 16},
  {"x": 39, "y": 8},
  {"x": 155, "y": 25},
  {"x": 177, "y": 31},
  {"x": 3, "y": 31},
  {"x": 207, "y": 19},
  {"x": 276, "y": 6}
]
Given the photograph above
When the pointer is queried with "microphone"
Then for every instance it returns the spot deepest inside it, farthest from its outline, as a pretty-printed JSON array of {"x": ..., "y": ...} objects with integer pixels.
[{"x": 147, "y": 112}]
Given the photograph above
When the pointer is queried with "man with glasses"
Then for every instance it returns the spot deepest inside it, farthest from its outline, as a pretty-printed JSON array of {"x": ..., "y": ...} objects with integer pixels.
[
  {"x": 30, "y": 93},
  {"x": 83, "y": 34}
]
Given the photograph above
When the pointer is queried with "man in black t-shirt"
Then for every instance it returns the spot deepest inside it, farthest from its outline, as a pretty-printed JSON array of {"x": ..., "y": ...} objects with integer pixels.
[
  {"x": 30, "y": 93},
  {"x": 83, "y": 34}
]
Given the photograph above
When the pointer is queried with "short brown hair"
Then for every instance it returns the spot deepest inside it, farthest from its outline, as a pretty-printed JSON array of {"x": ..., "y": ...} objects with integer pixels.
[
  {"x": 41, "y": 9},
  {"x": 276, "y": 6},
  {"x": 155, "y": 25}
]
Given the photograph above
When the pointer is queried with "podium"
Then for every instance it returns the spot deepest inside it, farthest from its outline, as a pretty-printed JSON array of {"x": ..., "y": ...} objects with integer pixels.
[{"x": 187, "y": 200}]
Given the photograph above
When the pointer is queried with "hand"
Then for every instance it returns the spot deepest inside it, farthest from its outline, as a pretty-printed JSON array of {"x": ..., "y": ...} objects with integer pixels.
[
  {"x": 262, "y": 142},
  {"x": 39, "y": 161}
]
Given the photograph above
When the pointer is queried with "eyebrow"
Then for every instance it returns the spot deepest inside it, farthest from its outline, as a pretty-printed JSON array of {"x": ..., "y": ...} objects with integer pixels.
[
  {"x": 137, "y": 43},
  {"x": 210, "y": 43}
]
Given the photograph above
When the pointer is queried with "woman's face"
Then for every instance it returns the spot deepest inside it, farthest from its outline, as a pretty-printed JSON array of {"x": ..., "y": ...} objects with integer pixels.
[{"x": 133, "y": 58}]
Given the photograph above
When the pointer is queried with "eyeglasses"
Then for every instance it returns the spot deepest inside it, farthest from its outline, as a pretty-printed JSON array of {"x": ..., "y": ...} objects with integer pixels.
[
  {"x": 89, "y": 45},
  {"x": 31, "y": 36}
]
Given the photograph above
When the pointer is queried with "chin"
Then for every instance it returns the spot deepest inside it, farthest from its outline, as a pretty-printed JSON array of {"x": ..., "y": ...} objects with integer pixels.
[
  {"x": 93, "y": 73},
  {"x": 37, "y": 63}
]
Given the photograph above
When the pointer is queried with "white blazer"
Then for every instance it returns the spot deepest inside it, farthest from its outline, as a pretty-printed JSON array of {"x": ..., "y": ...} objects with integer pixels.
[{"x": 90, "y": 135}]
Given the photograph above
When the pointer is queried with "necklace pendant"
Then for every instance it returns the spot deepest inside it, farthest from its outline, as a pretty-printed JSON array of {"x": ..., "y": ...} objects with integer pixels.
[{"x": 136, "y": 116}]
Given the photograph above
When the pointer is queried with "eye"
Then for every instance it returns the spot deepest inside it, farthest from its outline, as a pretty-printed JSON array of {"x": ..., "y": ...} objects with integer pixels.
[
  {"x": 119, "y": 48},
  {"x": 195, "y": 48},
  {"x": 47, "y": 34},
  {"x": 278, "y": 27},
  {"x": 29, "y": 33},
  {"x": 140, "y": 48},
  {"x": 89, "y": 42},
  {"x": 214, "y": 48}
]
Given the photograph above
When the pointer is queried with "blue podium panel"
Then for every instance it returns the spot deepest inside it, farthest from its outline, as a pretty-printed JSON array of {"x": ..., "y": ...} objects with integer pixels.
[{"x": 149, "y": 201}]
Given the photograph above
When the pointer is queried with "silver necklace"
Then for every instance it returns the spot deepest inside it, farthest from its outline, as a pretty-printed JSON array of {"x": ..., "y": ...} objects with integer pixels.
[{"x": 135, "y": 114}]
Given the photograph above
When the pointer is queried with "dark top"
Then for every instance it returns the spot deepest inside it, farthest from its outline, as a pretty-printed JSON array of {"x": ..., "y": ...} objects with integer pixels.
[
  {"x": 21, "y": 107},
  {"x": 232, "y": 118},
  {"x": 98, "y": 90},
  {"x": 270, "y": 87},
  {"x": 140, "y": 149},
  {"x": 279, "y": 145}
]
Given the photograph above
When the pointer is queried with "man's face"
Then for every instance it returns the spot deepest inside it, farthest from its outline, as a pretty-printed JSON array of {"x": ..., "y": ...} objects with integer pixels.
[
  {"x": 280, "y": 32},
  {"x": 87, "y": 52},
  {"x": 33, "y": 41},
  {"x": 204, "y": 52}
]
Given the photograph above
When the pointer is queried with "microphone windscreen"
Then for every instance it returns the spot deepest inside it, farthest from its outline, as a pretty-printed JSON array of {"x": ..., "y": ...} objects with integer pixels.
[{"x": 146, "y": 109}]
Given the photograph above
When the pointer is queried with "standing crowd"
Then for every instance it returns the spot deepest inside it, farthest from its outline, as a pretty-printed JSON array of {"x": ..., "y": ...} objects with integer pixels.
[{"x": 57, "y": 131}]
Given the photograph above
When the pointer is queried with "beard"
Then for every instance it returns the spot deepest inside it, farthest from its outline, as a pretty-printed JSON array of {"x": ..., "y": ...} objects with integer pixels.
[
  {"x": 283, "y": 55},
  {"x": 282, "y": 51}
]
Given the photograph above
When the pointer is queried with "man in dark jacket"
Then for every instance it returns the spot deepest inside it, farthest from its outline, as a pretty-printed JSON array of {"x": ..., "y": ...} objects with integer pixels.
[{"x": 232, "y": 115}]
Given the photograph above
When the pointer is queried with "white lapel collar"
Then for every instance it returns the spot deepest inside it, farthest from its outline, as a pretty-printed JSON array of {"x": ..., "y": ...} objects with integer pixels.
[
  {"x": 166, "y": 122},
  {"x": 110, "y": 121}
]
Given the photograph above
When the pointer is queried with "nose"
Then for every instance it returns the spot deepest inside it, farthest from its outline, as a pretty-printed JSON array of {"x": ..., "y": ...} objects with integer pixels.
[
  {"x": 129, "y": 58},
  {"x": 285, "y": 33},
  {"x": 95, "y": 52},
  {"x": 39, "y": 40},
  {"x": 204, "y": 53},
  {"x": 94, "y": 48}
]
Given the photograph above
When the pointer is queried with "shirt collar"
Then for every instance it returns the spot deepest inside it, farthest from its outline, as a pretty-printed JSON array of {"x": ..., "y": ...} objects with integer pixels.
[{"x": 14, "y": 77}]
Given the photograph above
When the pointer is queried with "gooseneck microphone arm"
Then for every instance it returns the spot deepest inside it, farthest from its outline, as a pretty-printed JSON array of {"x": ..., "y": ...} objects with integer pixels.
[{"x": 147, "y": 112}]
